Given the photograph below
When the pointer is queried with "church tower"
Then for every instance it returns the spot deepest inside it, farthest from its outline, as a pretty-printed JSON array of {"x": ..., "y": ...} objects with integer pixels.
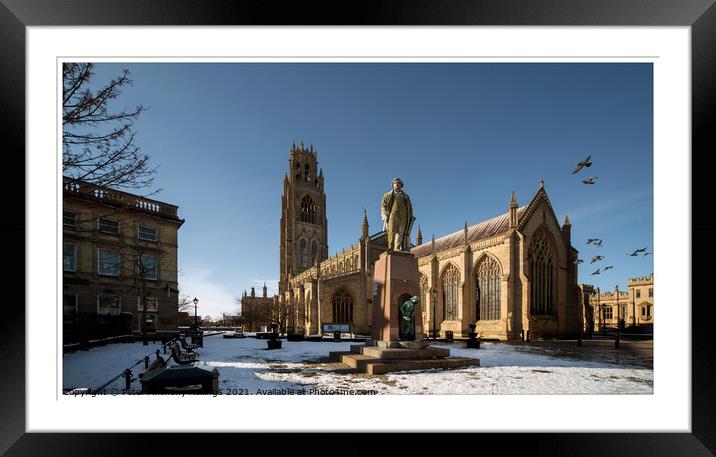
[{"x": 304, "y": 227}]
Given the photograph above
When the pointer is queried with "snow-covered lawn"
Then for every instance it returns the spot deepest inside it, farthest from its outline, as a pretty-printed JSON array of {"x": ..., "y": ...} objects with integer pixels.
[{"x": 246, "y": 366}]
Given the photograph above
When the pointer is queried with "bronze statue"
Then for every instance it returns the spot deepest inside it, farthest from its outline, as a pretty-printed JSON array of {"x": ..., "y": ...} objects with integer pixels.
[
  {"x": 407, "y": 319},
  {"x": 396, "y": 210}
]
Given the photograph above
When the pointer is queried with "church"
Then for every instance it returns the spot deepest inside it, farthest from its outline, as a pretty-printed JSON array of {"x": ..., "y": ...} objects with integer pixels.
[{"x": 513, "y": 275}]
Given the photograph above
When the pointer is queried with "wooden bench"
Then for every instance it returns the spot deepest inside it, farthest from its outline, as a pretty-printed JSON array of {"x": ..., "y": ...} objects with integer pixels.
[
  {"x": 182, "y": 358},
  {"x": 187, "y": 346}
]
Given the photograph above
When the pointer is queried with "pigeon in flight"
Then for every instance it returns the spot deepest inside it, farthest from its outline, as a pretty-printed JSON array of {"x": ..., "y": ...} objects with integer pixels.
[
  {"x": 598, "y": 244},
  {"x": 582, "y": 164},
  {"x": 596, "y": 258},
  {"x": 646, "y": 254},
  {"x": 610, "y": 266},
  {"x": 594, "y": 240},
  {"x": 578, "y": 261},
  {"x": 641, "y": 250},
  {"x": 590, "y": 180},
  {"x": 596, "y": 272}
]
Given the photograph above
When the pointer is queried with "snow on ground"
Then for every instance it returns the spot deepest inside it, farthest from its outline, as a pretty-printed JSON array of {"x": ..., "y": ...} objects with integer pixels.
[{"x": 246, "y": 366}]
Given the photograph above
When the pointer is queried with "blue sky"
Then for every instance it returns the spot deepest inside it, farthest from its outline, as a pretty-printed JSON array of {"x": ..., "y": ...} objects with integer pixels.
[{"x": 461, "y": 136}]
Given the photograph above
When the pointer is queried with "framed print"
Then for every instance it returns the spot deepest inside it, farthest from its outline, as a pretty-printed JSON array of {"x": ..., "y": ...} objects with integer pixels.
[{"x": 461, "y": 186}]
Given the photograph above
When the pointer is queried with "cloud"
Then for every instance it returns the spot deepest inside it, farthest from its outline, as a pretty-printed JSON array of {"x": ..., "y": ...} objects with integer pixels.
[{"x": 214, "y": 298}]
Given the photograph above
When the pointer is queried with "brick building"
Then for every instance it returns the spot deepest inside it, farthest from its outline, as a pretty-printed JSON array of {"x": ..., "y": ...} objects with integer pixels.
[{"x": 119, "y": 252}]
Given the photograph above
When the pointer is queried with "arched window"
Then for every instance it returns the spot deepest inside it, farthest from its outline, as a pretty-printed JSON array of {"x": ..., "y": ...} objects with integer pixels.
[
  {"x": 304, "y": 253},
  {"x": 342, "y": 306},
  {"x": 450, "y": 280},
  {"x": 487, "y": 289},
  {"x": 340, "y": 267},
  {"x": 306, "y": 171},
  {"x": 308, "y": 210},
  {"x": 542, "y": 275},
  {"x": 314, "y": 252}
]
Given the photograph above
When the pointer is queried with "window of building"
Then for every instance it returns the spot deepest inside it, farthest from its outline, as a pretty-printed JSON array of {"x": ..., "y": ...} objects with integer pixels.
[
  {"x": 147, "y": 233},
  {"x": 643, "y": 311},
  {"x": 69, "y": 307},
  {"x": 651, "y": 292},
  {"x": 637, "y": 293},
  {"x": 608, "y": 312},
  {"x": 69, "y": 218},
  {"x": 542, "y": 275},
  {"x": 314, "y": 252},
  {"x": 342, "y": 306},
  {"x": 148, "y": 267},
  {"x": 152, "y": 304},
  {"x": 150, "y": 322},
  {"x": 69, "y": 257},
  {"x": 108, "y": 225},
  {"x": 487, "y": 281},
  {"x": 648, "y": 311},
  {"x": 308, "y": 210},
  {"x": 450, "y": 281},
  {"x": 108, "y": 305},
  {"x": 109, "y": 262}
]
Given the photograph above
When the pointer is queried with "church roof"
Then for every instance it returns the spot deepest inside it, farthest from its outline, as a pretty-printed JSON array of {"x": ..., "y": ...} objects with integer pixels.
[{"x": 484, "y": 229}]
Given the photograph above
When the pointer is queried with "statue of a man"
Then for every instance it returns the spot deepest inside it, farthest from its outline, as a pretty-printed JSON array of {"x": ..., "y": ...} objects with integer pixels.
[{"x": 396, "y": 210}]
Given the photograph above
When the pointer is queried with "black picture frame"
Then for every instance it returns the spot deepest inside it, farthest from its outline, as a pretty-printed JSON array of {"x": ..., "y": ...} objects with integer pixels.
[{"x": 700, "y": 15}]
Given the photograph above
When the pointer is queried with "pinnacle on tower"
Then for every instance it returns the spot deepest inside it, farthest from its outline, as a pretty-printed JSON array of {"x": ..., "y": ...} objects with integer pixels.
[
  {"x": 364, "y": 226},
  {"x": 465, "y": 232},
  {"x": 419, "y": 237},
  {"x": 566, "y": 221},
  {"x": 432, "y": 244},
  {"x": 513, "y": 201},
  {"x": 513, "y": 210}
]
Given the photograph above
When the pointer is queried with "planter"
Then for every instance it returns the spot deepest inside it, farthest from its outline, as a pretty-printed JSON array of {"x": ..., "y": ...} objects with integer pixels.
[{"x": 274, "y": 344}]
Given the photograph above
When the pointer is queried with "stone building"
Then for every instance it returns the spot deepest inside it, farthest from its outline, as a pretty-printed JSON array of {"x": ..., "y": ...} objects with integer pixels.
[
  {"x": 633, "y": 306},
  {"x": 514, "y": 275},
  {"x": 119, "y": 252},
  {"x": 258, "y": 312}
]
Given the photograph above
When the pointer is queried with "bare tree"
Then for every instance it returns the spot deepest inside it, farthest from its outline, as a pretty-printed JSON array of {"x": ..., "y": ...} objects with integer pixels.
[
  {"x": 98, "y": 143},
  {"x": 184, "y": 304}
]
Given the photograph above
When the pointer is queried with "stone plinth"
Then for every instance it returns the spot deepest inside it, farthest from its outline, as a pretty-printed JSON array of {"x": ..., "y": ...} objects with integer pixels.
[
  {"x": 395, "y": 279},
  {"x": 375, "y": 359}
]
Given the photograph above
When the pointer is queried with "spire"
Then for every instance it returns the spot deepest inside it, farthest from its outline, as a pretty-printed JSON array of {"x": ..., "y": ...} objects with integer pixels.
[
  {"x": 465, "y": 240},
  {"x": 566, "y": 221},
  {"x": 432, "y": 245},
  {"x": 419, "y": 237},
  {"x": 265, "y": 290},
  {"x": 541, "y": 183},
  {"x": 513, "y": 211},
  {"x": 364, "y": 226}
]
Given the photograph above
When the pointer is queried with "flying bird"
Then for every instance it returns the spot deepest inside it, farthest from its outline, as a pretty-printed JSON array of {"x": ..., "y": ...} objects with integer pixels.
[
  {"x": 596, "y": 258},
  {"x": 598, "y": 244},
  {"x": 596, "y": 272},
  {"x": 578, "y": 261},
  {"x": 635, "y": 253},
  {"x": 610, "y": 266},
  {"x": 646, "y": 254},
  {"x": 590, "y": 180},
  {"x": 593, "y": 240},
  {"x": 582, "y": 164},
  {"x": 640, "y": 250}
]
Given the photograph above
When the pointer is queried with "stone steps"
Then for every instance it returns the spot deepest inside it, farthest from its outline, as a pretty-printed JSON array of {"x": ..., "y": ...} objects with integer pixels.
[{"x": 362, "y": 358}]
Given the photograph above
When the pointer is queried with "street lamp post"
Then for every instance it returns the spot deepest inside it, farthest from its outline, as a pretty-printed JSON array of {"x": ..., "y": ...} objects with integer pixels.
[
  {"x": 435, "y": 308},
  {"x": 196, "y": 320}
]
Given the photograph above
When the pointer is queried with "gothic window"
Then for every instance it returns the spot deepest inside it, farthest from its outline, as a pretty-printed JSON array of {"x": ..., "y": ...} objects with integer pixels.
[
  {"x": 542, "y": 264},
  {"x": 306, "y": 171},
  {"x": 308, "y": 210},
  {"x": 314, "y": 252},
  {"x": 304, "y": 253},
  {"x": 450, "y": 280},
  {"x": 487, "y": 282},
  {"x": 638, "y": 293},
  {"x": 340, "y": 267},
  {"x": 342, "y": 306}
]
